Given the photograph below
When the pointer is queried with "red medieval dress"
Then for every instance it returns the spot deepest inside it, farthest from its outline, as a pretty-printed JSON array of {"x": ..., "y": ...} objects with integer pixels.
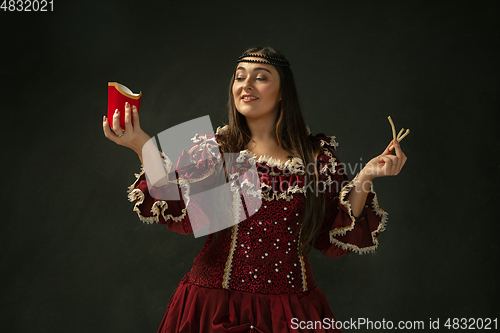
[{"x": 253, "y": 277}]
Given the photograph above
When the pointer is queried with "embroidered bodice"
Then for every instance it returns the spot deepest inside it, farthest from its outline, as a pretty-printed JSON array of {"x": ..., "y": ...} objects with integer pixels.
[{"x": 261, "y": 253}]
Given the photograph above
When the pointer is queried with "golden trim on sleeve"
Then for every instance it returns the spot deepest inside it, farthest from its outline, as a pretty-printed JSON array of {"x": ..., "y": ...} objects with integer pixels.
[
  {"x": 159, "y": 207},
  {"x": 342, "y": 231},
  {"x": 229, "y": 262}
]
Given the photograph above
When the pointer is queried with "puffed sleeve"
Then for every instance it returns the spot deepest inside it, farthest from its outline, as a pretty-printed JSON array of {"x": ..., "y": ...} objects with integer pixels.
[
  {"x": 193, "y": 172},
  {"x": 341, "y": 231}
]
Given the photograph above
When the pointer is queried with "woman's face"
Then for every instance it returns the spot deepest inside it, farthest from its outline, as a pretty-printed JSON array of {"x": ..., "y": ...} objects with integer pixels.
[{"x": 256, "y": 90}]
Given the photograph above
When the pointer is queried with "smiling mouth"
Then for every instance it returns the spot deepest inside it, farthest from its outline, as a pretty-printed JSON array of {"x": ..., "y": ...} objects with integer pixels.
[{"x": 248, "y": 98}]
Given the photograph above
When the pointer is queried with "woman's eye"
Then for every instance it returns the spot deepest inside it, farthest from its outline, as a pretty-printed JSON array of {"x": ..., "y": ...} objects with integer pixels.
[
  {"x": 261, "y": 79},
  {"x": 239, "y": 79}
]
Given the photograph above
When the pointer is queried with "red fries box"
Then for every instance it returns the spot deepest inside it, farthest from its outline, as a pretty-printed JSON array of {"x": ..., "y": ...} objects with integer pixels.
[{"x": 118, "y": 94}]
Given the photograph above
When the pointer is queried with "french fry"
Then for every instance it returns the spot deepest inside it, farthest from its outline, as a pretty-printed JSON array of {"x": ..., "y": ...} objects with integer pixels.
[
  {"x": 393, "y": 128},
  {"x": 400, "y": 135},
  {"x": 400, "y": 132}
]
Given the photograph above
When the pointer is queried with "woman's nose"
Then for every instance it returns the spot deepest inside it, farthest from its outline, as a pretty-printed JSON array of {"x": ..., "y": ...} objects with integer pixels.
[{"x": 247, "y": 84}]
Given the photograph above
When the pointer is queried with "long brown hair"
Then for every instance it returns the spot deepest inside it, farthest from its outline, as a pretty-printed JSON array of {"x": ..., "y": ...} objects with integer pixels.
[{"x": 291, "y": 134}]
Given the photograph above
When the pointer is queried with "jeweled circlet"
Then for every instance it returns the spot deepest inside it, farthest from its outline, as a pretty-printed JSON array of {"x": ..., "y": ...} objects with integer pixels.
[{"x": 270, "y": 60}]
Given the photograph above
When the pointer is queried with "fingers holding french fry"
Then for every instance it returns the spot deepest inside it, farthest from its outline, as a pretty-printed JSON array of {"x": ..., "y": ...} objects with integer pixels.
[
  {"x": 387, "y": 164},
  {"x": 400, "y": 135}
]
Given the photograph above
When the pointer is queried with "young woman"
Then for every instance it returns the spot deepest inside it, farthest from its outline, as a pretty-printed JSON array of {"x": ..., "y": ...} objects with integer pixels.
[{"x": 255, "y": 276}]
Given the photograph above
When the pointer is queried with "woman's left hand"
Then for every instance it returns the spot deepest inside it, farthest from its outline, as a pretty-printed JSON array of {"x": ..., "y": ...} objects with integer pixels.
[{"x": 385, "y": 164}]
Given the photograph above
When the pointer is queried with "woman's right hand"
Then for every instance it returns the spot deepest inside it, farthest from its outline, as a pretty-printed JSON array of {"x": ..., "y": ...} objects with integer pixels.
[{"x": 133, "y": 137}]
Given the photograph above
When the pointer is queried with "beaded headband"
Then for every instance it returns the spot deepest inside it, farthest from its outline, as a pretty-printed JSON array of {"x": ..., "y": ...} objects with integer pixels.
[{"x": 270, "y": 60}]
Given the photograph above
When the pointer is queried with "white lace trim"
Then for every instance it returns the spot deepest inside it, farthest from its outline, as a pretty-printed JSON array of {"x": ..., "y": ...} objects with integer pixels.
[
  {"x": 331, "y": 165},
  {"x": 204, "y": 143},
  {"x": 256, "y": 193},
  {"x": 221, "y": 130},
  {"x": 331, "y": 142},
  {"x": 159, "y": 207},
  {"x": 294, "y": 165},
  {"x": 276, "y": 196},
  {"x": 342, "y": 231}
]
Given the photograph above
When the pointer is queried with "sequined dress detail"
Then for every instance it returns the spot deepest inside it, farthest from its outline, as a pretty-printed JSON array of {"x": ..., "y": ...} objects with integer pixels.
[{"x": 259, "y": 257}]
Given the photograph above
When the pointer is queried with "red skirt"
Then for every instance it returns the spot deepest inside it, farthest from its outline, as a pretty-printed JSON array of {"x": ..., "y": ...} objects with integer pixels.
[{"x": 199, "y": 309}]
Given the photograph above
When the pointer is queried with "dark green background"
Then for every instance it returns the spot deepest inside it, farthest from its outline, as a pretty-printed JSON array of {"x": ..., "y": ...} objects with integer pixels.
[{"x": 75, "y": 257}]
